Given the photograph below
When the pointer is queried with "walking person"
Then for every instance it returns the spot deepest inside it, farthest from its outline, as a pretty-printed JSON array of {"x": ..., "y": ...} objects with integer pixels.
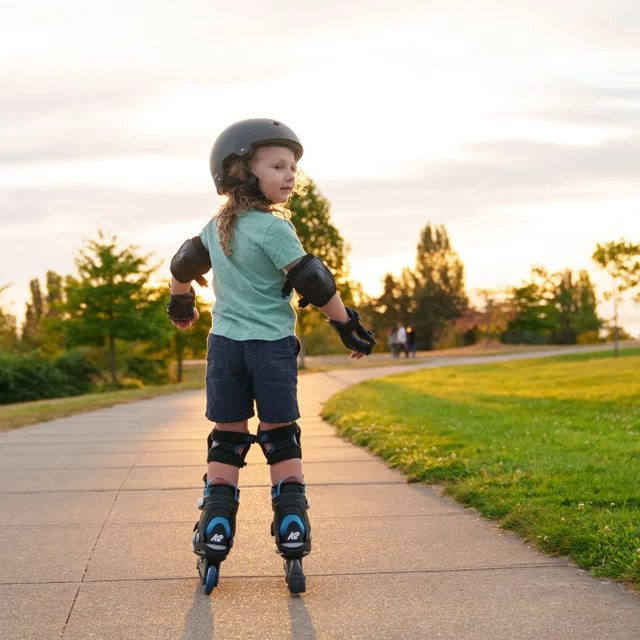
[
  {"x": 410, "y": 346},
  {"x": 392, "y": 342},
  {"x": 401, "y": 338},
  {"x": 257, "y": 262}
]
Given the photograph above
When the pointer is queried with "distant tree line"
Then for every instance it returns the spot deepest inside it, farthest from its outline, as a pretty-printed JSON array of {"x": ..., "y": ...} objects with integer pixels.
[
  {"x": 106, "y": 327},
  {"x": 550, "y": 308}
]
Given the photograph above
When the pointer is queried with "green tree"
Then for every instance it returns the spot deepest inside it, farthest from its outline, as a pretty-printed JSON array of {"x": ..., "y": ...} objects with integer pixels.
[
  {"x": 438, "y": 285},
  {"x": 621, "y": 260},
  {"x": 318, "y": 235},
  {"x": 52, "y": 342},
  {"x": 33, "y": 317},
  {"x": 112, "y": 300},
  {"x": 8, "y": 332},
  {"x": 575, "y": 304}
]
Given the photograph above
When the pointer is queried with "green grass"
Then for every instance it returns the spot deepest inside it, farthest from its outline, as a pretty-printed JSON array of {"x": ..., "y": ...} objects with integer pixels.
[
  {"x": 13, "y": 416},
  {"x": 549, "y": 447}
]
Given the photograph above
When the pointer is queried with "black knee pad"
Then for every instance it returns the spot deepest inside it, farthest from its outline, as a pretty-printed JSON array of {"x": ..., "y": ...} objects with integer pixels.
[
  {"x": 281, "y": 443},
  {"x": 229, "y": 447}
]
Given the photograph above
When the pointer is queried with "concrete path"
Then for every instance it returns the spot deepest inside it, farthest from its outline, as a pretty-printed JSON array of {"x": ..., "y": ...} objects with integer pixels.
[{"x": 96, "y": 513}]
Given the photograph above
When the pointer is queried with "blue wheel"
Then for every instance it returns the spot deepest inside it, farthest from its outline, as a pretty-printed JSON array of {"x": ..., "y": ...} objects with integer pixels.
[{"x": 211, "y": 580}]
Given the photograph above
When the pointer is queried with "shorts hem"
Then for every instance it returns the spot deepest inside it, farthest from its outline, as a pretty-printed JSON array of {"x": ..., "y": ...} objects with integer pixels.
[{"x": 210, "y": 417}]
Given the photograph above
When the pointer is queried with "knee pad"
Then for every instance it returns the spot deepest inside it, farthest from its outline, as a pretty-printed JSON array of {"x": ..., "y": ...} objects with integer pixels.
[
  {"x": 229, "y": 447},
  {"x": 281, "y": 443}
]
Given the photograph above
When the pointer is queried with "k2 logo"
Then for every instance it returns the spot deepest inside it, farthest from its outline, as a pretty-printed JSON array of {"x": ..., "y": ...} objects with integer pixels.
[
  {"x": 294, "y": 535},
  {"x": 217, "y": 538}
]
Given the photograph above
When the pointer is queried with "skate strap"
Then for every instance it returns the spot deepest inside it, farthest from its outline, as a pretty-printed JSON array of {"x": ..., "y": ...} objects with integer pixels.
[
  {"x": 275, "y": 490},
  {"x": 226, "y": 484}
]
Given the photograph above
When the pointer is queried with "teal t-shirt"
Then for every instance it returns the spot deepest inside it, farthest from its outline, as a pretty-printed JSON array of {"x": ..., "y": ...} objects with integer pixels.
[{"x": 247, "y": 284}]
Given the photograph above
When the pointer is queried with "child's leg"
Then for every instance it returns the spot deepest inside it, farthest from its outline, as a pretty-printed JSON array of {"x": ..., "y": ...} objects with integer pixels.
[
  {"x": 219, "y": 472},
  {"x": 286, "y": 468}
]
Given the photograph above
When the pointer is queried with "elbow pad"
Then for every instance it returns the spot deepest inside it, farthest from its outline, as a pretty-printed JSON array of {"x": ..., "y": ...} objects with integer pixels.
[
  {"x": 312, "y": 280},
  {"x": 191, "y": 262}
]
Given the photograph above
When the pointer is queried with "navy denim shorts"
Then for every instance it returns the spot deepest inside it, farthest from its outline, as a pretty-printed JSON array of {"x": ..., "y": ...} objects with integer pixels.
[{"x": 241, "y": 371}]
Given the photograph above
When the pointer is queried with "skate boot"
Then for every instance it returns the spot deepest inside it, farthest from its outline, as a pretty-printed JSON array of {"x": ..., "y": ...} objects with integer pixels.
[
  {"x": 291, "y": 529},
  {"x": 215, "y": 530}
]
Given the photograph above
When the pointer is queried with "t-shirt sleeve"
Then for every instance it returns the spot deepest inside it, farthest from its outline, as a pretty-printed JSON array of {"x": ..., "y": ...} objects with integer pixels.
[
  {"x": 281, "y": 243},
  {"x": 203, "y": 235}
]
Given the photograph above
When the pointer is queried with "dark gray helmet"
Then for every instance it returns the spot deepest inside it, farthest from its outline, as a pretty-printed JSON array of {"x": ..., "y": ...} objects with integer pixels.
[{"x": 239, "y": 138}]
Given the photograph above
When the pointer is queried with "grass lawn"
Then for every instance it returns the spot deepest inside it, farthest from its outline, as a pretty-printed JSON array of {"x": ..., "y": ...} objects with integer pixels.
[{"x": 549, "y": 447}]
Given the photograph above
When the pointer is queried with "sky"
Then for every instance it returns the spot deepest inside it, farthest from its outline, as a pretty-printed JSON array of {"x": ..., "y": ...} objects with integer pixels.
[{"x": 514, "y": 124}]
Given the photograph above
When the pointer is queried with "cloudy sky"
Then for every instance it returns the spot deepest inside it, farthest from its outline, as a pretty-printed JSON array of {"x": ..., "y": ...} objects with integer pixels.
[{"x": 515, "y": 124}]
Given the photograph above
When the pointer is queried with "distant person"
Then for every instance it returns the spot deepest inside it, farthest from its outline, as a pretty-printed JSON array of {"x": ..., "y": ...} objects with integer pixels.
[
  {"x": 410, "y": 346},
  {"x": 257, "y": 262},
  {"x": 392, "y": 342},
  {"x": 401, "y": 338}
]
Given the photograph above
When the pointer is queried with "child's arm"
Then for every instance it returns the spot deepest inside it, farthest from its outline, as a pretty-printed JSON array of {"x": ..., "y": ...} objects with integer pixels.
[
  {"x": 339, "y": 315},
  {"x": 182, "y": 305},
  {"x": 190, "y": 263}
]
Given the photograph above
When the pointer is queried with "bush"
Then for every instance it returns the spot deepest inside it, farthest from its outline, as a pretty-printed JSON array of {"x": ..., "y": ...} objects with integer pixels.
[
  {"x": 78, "y": 369},
  {"x": 30, "y": 377}
]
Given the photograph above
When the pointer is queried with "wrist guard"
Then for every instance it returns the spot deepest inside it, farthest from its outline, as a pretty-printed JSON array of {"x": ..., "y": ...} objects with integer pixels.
[
  {"x": 362, "y": 342},
  {"x": 180, "y": 307}
]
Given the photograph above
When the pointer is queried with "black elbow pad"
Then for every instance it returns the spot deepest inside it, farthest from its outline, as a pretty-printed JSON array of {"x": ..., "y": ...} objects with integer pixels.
[
  {"x": 191, "y": 262},
  {"x": 313, "y": 281}
]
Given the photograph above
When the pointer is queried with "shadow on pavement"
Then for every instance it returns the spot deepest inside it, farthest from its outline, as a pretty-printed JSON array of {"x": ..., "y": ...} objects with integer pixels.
[
  {"x": 301, "y": 625},
  {"x": 199, "y": 621}
]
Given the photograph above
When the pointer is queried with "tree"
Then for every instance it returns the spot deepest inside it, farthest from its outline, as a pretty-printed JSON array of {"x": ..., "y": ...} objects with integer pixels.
[
  {"x": 575, "y": 304},
  {"x": 494, "y": 317},
  {"x": 312, "y": 222},
  {"x": 52, "y": 341},
  {"x": 112, "y": 299},
  {"x": 438, "y": 285},
  {"x": 8, "y": 333},
  {"x": 620, "y": 260},
  {"x": 552, "y": 309},
  {"x": 33, "y": 316}
]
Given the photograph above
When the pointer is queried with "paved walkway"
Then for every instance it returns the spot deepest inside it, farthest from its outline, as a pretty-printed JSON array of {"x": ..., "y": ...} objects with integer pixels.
[{"x": 96, "y": 517}]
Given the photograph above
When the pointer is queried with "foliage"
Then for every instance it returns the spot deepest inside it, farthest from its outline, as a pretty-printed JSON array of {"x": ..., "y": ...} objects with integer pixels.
[
  {"x": 552, "y": 309},
  {"x": 549, "y": 447},
  {"x": 43, "y": 329},
  {"x": 30, "y": 377},
  {"x": 318, "y": 235},
  {"x": 621, "y": 260},
  {"x": 8, "y": 334},
  {"x": 112, "y": 300},
  {"x": 428, "y": 296}
]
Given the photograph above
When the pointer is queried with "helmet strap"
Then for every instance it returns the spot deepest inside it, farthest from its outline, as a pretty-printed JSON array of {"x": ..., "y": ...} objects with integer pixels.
[{"x": 252, "y": 185}]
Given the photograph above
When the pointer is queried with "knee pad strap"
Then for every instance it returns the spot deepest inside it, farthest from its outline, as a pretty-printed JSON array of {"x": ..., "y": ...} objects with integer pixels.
[
  {"x": 229, "y": 447},
  {"x": 281, "y": 443}
]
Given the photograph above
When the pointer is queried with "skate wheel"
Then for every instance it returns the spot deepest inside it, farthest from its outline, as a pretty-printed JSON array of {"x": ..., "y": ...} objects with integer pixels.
[
  {"x": 296, "y": 580},
  {"x": 211, "y": 579}
]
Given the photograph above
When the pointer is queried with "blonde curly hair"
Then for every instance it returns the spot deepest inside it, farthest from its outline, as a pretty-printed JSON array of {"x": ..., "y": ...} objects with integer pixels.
[{"x": 239, "y": 200}]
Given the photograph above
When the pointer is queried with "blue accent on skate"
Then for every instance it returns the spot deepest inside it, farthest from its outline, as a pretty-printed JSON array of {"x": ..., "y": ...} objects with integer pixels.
[
  {"x": 218, "y": 520},
  {"x": 287, "y": 520}
]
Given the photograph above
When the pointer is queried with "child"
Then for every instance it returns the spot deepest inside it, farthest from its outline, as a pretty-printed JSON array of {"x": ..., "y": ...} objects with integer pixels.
[{"x": 257, "y": 261}]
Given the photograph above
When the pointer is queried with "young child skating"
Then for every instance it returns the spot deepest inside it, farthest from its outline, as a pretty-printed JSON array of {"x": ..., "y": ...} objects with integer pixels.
[{"x": 252, "y": 350}]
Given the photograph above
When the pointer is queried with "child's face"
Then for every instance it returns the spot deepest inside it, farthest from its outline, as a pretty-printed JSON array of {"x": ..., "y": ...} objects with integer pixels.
[{"x": 275, "y": 168}]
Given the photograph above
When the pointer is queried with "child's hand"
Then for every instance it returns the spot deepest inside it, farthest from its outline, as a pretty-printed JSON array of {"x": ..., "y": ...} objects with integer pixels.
[
  {"x": 182, "y": 326},
  {"x": 357, "y": 355}
]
